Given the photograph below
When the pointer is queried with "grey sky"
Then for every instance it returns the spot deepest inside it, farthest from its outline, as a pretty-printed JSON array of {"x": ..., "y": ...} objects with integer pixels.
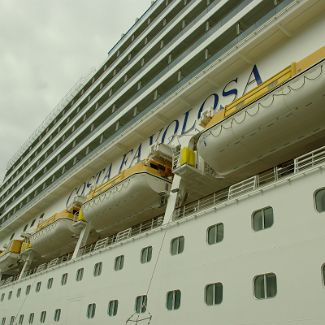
[{"x": 46, "y": 46}]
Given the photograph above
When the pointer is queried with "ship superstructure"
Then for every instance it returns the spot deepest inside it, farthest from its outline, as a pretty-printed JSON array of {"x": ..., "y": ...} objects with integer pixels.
[{"x": 182, "y": 181}]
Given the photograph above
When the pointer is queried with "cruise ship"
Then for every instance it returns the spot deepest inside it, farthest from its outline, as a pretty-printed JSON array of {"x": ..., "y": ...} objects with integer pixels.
[{"x": 182, "y": 182}]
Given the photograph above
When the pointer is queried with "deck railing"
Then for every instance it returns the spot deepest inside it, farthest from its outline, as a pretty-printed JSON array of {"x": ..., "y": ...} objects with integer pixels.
[
  {"x": 100, "y": 244},
  {"x": 289, "y": 168},
  {"x": 294, "y": 166}
]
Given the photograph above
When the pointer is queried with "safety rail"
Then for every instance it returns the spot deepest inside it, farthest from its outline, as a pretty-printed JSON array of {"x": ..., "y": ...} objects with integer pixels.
[
  {"x": 310, "y": 159},
  {"x": 100, "y": 244},
  {"x": 123, "y": 235},
  {"x": 289, "y": 168}
]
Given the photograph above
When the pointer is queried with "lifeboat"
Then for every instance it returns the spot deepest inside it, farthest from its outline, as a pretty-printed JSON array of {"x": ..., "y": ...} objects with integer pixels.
[
  {"x": 133, "y": 196},
  {"x": 10, "y": 257},
  {"x": 271, "y": 123},
  {"x": 54, "y": 236}
]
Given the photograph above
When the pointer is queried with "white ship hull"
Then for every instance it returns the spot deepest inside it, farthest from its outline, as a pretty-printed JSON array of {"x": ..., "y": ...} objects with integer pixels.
[
  {"x": 255, "y": 136},
  {"x": 134, "y": 200}
]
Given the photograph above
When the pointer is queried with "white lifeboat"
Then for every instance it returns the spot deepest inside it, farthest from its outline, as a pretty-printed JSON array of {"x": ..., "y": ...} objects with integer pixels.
[
  {"x": 133, "y": 196},
  {"x": 268, "y": 125},
  {"x": 54, "y": 236},
  {"x": 9, "y": 258}
]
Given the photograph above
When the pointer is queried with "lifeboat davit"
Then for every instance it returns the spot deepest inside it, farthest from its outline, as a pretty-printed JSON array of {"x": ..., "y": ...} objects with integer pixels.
[
  {"x": 54, "y": 236},
  {"x": 271, "y": 123},
  {"x": 133, "y": 196},
  {"x": 10, "y": 257}
]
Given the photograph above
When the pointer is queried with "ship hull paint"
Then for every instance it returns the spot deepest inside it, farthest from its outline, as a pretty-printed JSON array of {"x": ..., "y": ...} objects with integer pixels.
[
  {"x": 56, "y": 239},
  {"x": 134, "y": 200},
  {"x": 260, "y": 131}
]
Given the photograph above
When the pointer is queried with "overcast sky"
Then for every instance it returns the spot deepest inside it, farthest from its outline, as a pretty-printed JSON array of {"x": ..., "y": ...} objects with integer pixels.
[{"x": 46, "y": 46}]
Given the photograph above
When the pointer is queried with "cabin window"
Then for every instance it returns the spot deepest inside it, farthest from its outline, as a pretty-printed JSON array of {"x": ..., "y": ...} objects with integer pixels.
[
  {"x": 215, "y": 234},
  {"x": 119, "y": 263},
  {"x": 2, "y": 296},
  {"x": 49, "y": 283},
  {"x": 64, "y": 279},
  {"x": 18, "y": 292},
  {"x": 173, "y": 300},
  {"x": 146, "y": 254},
  {"x": 12, "y": 236},
  {"x": 262, "y": 219},
  {"x": 43, "y": 316},
  {"x": 98, "y": 268},
  {"x": 323, "y": 274},
  {"x": 213, "y": 294},
  {"x": 25, "y": 228},
  {"x": 177, "y": 245},
  {"x": 3, "y": 322},
  {"x": 21, "y": 319},
  {"x": 80, "y": 274},
  {"x": 27, "y": 290},
  {"x": 57, "y": 315},
  {"x": 31, "y": 318},
  {"x": 320, "y": 200},
  {"x": 141, "y": 304},
  {"x": 12, "y": 320},
  {"x": 91, "y": 310},
  {"x": 32, "y": 224},
  {"x": 38, "y": 286},
  {"x": 9, "y": 295},
  {"x": 112, "y": 308},
  {"x": 265, "y": 286}
]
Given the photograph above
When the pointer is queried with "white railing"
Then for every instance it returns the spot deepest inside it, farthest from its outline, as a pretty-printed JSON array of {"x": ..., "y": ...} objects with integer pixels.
[
  {"x": 302, "y": 163},
  {"x": 100, "y": 244},
  {"x": 310, "y": 159},
  {"x": 123, "y": 235}
]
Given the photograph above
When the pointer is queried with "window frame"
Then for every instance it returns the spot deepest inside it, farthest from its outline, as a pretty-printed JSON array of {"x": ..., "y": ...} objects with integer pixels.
[
  {"x": 64, "y": 279},
  {"x": 80, "y": 274},
  {"x": 21, "y": 319},
  {"x": 38, "y": 286},
  {"x": 43, "y": 317},
  {"x": 262, "y": 210},
  {"x": 91, "y": 310},
  {"x": 175, "y": 294},
  {"x": 112, "y": 306},
  {"x": 265, "y": 286},
  {"x": 322, "y": 189},
  {"x": 214, "y": 300},
  {"x": 119, "y": 263},
  {"x": 31, "y": 318},
  {"x": 98, "y": 268},
  {"x": 146, "y": 254},
  {"x": 180, "y": 245},
  {"x": 49, "y": 283},
  {"x": 28, "y": 288},
  {"x": 142, "y": 303},
  {"x": 215, "y": 239},
  {"x": 57, "y": 315}
]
